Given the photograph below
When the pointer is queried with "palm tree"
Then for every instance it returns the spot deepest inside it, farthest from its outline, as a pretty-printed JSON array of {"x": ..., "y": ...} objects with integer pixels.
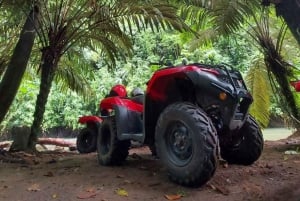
[
  {"x": 289, "y": 10},
  {"x": 280, "y": 71},
  {"x": 16, "y": 67},
  {"x": 69, "y": 25},
  {"x": 228, "y": 16}
]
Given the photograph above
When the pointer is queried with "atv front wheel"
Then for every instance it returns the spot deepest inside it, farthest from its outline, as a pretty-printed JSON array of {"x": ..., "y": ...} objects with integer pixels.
[
  {"x": 187, "y": 142},
  {"x": 248, "y": 148},
  {"x": 111, "y": 151},
  {"x": 86, "y": 140}
]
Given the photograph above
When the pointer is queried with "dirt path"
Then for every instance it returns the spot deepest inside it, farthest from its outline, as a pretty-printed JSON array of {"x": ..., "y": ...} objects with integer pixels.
[{"x": 70, "y": 176}]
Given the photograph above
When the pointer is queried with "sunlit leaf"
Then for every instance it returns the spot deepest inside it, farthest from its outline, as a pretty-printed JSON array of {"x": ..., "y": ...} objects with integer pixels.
[
  {"x": 173, "y": 197},
  {"x": 122, "y": 192},
  {"x": 34, "y": 187}
]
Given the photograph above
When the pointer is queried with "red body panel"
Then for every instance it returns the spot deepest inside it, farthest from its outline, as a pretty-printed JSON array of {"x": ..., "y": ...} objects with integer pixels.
[
  {"x": 156, "y": 88},
  {"x": 110, "y": 102},
  {"x": 296, "y": 85},
  {"x": 89, "y": 119}
]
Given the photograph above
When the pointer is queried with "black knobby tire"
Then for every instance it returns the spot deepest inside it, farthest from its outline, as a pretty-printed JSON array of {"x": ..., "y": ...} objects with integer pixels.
[
  {"x": 86, "y": 140},
  {"x": 111, "y": 151},
  {"x": 187, "y": 144},
  {"x": 249, "y": 146}
]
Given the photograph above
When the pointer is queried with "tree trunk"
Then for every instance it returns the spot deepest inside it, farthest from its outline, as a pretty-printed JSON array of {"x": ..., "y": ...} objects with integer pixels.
[
  {"x": 56, "y": 141},
  {"x": 48, "y": 66},
  {"x": 14, "y": 73},
  {"x": 44, "y": 141},
  {"x": 290, "y": 12}
]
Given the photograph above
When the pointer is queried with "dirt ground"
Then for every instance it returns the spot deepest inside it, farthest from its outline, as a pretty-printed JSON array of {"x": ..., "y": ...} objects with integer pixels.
[{"x": 65, "y": 176}]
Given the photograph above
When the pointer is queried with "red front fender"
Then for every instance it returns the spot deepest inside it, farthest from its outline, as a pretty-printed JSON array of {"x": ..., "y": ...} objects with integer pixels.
[{"x": 89, "y": 119}]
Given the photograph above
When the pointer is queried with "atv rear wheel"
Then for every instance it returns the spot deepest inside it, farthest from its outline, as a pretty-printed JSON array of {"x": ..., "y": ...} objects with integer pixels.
[
  {"x": 111, "y": 151},
  {"x": 86, "y": 140},
  {"x": 187, "y": 142},
  {"x": 249, "y": 146}
]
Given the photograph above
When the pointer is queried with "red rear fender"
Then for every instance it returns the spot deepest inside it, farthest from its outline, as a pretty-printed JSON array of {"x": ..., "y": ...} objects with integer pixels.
[
  {"x": 109, "y": 103},
  {"x": 89, "y": 119}
]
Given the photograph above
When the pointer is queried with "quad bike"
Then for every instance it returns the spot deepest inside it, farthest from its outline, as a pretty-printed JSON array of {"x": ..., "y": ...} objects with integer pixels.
[
  {"x": 86, "y": 141},
  {"x": 190, "y": 115}
]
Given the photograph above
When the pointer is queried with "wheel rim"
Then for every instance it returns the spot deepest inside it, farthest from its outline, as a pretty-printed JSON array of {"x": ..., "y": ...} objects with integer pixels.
[
  {"x": 179, "y": 143},
  {"x": 105, "y": 140},
  {"x": 87, "y": 139}
]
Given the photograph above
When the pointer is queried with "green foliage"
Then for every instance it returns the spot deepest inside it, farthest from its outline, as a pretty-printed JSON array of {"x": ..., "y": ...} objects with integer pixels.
[
  {"x": 258, "y": 84},
  {"x": 22, "y": 108},
  {"x": 8, "y": 29},
  {"x": 87, "y": 72}
]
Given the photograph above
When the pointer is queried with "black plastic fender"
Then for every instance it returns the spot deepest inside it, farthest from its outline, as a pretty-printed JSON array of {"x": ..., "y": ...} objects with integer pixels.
[{"x": 129, "y": 124}]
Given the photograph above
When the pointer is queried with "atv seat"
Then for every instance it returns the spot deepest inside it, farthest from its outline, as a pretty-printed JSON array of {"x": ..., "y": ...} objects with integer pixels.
[{"x": 138, "y": 99}]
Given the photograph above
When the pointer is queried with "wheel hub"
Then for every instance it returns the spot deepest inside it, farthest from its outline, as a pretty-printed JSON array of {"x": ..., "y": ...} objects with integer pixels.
[
  {"x": 181, "y": 139},
  {"x": 180, "y": 143}
]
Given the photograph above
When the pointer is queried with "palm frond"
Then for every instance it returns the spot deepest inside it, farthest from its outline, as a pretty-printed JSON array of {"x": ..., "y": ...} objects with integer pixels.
[
  {"x": 198, "y": 3},
  {"x": 74, "y": 78},
  {"x": 197, "y": 18},
  {"x": 229, "y": 15},
  {"x": 218, "y": 17},
  {"x": 205, "y": 37},
  {"x": 105, "y": 23},
  {"x": 153, "y": 14},
  {"x": 258, "y": 84}
]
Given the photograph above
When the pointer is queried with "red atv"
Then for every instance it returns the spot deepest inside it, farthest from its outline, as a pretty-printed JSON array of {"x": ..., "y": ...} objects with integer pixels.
[
  {"x": 86, "y": 141},
  {"x": 189, "y": 116}
]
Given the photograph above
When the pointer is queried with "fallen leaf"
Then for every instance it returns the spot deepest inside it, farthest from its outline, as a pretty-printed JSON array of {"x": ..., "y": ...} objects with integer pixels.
[
  {"x": 222, "y": 190},
  {"x": 26, "y": 154},
  {"x": 219, "y": 189},
  {"x": 173, "y": 197},
  {"x": 86, "y": 195},
  {"x": 122, "y": 192},
  {"x": 127, "y": 181},
  {"x": 182, "y": 193},
  {"x": 291, "y": 152},
  {"x": 154, "y": 184},
  {"x": 136, "y": 156},
  {"x": 51, "y": 161},
  {"x": 143, "y": 168},
  {"x": 269, "y": 166},
  {"x": 34, "y": 187},
  {"x": 49, "y": 174},
  {"x": 54, "y": 196},
  {"x": 91, "y": 189},
  {"x": 212, "y": 186}
]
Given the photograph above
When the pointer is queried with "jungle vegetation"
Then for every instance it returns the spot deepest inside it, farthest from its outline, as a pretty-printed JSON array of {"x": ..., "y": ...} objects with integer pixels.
[{"x": 62, "y": 57}]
